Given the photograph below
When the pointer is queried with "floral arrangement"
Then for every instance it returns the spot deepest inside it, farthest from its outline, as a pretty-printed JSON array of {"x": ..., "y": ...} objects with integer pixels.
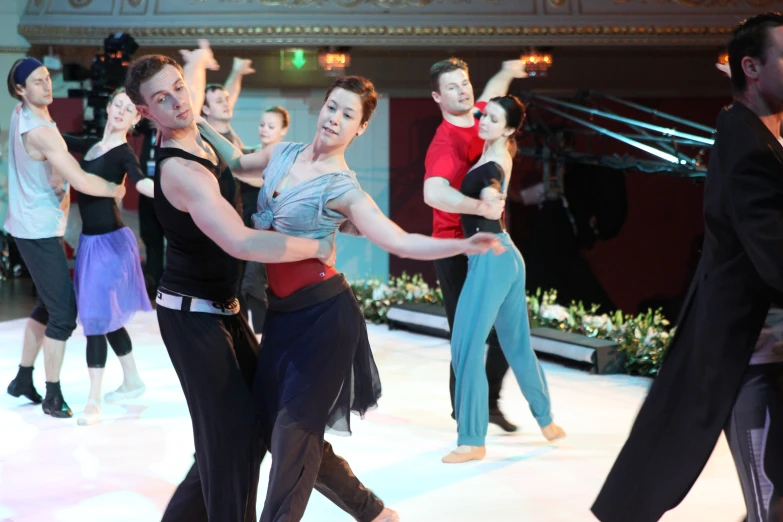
[
  {"x": 375, "y": 297},
  {"x": 643, "y": 338}
]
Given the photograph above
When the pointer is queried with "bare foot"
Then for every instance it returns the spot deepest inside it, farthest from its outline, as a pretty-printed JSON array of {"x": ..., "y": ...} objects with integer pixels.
[
  {"x": 387, "y": 515},
  {"x": 125, "y": 392},
  {"x": 465, "y": 454},
  {"x": 90, "y": 415},
  {"x": 553, "y": 432}
]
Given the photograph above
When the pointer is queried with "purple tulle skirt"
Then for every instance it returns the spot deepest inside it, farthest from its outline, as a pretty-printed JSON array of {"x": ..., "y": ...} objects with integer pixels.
[{"x": 108, "y": 281}]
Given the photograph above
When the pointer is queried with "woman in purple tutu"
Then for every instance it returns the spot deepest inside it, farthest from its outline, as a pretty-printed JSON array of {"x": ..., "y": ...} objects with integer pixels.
[{"x": 108, "y": 279}]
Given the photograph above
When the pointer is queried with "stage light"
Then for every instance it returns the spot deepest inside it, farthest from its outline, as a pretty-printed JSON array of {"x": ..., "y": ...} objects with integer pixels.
[
  {"x": 536, "y": 63},
  {"x": 334, "y": 61}
]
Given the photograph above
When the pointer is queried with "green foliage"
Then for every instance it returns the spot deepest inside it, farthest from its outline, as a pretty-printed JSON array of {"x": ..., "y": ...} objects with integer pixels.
[
  {"x": 643, "y": 338},
  {"x": 375, "y": 298}
]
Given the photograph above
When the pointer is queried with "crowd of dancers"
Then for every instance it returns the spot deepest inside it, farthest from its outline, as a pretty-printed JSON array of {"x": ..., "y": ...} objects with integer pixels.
[{"x": 252, "y": 229}]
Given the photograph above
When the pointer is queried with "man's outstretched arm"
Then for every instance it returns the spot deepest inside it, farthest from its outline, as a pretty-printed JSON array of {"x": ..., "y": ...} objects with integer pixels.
[
  {"x": 195, "y": 67},
  {"x": 51, "y": 143},
  {"x": 498, "y": 85},
  {"x": 242, "y": 67}
]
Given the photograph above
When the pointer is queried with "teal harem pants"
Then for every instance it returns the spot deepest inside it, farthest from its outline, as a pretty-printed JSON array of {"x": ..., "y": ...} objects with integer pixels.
[{"x": 494, "y": 294}]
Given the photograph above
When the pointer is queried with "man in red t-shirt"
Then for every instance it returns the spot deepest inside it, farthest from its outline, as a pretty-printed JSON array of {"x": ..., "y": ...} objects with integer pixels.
[{"x": 452, "y": 152}]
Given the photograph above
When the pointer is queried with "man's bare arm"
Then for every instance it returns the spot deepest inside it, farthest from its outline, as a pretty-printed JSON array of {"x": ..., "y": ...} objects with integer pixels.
[
  {"x": 498, "y": 85},
  {"x": 242, "y": 165},
  {"x": 254, "y": 180},
  {"x": 439, "y": 194},
  {"x": 146, "y": 187},
  {"x": 51, "y": 144},
  {"x": 234, "y": 82},
  {"x": 195, "y": 72},
  {"x": 193, "y": 189}
]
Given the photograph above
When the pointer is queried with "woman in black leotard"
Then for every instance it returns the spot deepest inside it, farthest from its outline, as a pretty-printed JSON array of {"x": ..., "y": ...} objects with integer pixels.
[
  {"x": 107, "y": 277},
  {"x": 494, "y": 294}
]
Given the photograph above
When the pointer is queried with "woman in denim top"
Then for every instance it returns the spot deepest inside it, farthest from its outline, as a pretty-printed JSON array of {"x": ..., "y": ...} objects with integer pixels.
[{"x": 315, "y": 363}]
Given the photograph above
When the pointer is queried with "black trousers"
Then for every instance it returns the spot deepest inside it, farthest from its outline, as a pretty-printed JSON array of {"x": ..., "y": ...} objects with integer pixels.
[
  {"x": 336, "y": 482},
  {"x": 451, "y": 273},
  {"x": 215, "y": 359},
  {"x": 253, "y": 290},
  {"x": 48, "y": 267},
  {"x": 151, "y": 233},
  {"x": 755, "y": 435},
  {"x": 253, "y": 283}
]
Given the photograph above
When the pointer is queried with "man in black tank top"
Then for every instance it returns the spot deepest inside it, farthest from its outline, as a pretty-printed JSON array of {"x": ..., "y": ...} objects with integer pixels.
[
  {"x": 216, "y": 104},
  {"x": 211, "y": 346}
]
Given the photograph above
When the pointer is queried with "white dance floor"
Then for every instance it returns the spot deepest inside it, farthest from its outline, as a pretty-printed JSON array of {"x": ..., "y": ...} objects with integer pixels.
[{"x": 126, "y": 468}]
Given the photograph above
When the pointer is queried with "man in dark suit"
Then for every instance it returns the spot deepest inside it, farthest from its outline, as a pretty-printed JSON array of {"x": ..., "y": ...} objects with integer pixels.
[{"x": 740, "y": 273}]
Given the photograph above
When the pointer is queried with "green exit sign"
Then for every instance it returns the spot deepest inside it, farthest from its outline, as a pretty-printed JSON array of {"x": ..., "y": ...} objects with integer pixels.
[{"x": 298, "y": 60}]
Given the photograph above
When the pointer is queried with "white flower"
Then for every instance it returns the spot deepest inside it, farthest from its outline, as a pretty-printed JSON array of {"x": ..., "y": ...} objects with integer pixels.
[
  {"x": 380, "y": 292},
  {"x": 554, "y": 312},
  {"x": 597, "y": 321}
]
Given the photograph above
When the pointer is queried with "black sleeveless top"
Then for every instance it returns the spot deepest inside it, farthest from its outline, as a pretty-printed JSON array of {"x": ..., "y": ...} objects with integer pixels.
[
  {"x": 489, "y": 174},
  {"x": 101, "y": 215},
  {"x": 195, "y": 265}
]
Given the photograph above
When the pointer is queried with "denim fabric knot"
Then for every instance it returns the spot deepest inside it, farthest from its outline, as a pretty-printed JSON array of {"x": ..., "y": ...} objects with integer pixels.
[{"x": 264, "y": 219}]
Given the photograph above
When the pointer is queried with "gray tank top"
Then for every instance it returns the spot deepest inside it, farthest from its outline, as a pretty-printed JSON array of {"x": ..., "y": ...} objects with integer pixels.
[
  {"x": 38, "y": 198},
  {"x": 300, "y": 210}
]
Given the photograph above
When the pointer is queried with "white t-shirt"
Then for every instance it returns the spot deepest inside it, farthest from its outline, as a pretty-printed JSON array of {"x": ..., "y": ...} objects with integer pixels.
[{"x": 38, "y": 197}]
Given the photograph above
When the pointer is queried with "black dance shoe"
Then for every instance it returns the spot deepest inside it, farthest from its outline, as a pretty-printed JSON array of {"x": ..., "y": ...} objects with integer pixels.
[
  {"x": 57, "y": 407},
  {"x": 497, "y": 418},
  {"x": 19, "y": 387}
]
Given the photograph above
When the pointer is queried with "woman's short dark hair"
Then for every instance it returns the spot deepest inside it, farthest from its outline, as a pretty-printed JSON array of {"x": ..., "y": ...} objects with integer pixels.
[{"x": 361, "y": 86}]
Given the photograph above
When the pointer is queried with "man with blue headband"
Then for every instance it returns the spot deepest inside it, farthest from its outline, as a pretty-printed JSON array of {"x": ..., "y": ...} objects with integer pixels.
[{"x": 40, "y": 171}]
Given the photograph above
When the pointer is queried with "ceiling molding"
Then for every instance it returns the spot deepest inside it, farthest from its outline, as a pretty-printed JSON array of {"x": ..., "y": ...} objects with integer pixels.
[{"x": 303, "y": 35}]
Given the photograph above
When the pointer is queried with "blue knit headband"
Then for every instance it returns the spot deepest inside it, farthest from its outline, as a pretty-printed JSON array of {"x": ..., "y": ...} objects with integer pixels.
[{"x": 25, "y": 69}]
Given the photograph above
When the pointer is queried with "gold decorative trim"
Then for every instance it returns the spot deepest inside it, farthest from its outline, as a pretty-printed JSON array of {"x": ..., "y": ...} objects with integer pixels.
[
  {"x": 287, "y": 30},
  {"x": 14, "y": 50},
  {"x": 383, "y": 36},
  {"x": 711, "y": 3}
]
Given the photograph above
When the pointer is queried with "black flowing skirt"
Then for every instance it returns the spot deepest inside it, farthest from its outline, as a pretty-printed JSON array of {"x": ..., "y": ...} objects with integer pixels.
[{"x": 315, "y": 359}]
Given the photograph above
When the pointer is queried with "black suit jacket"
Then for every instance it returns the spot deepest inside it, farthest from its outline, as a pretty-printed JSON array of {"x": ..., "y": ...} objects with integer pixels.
[{"x": 739, "y": 274}]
